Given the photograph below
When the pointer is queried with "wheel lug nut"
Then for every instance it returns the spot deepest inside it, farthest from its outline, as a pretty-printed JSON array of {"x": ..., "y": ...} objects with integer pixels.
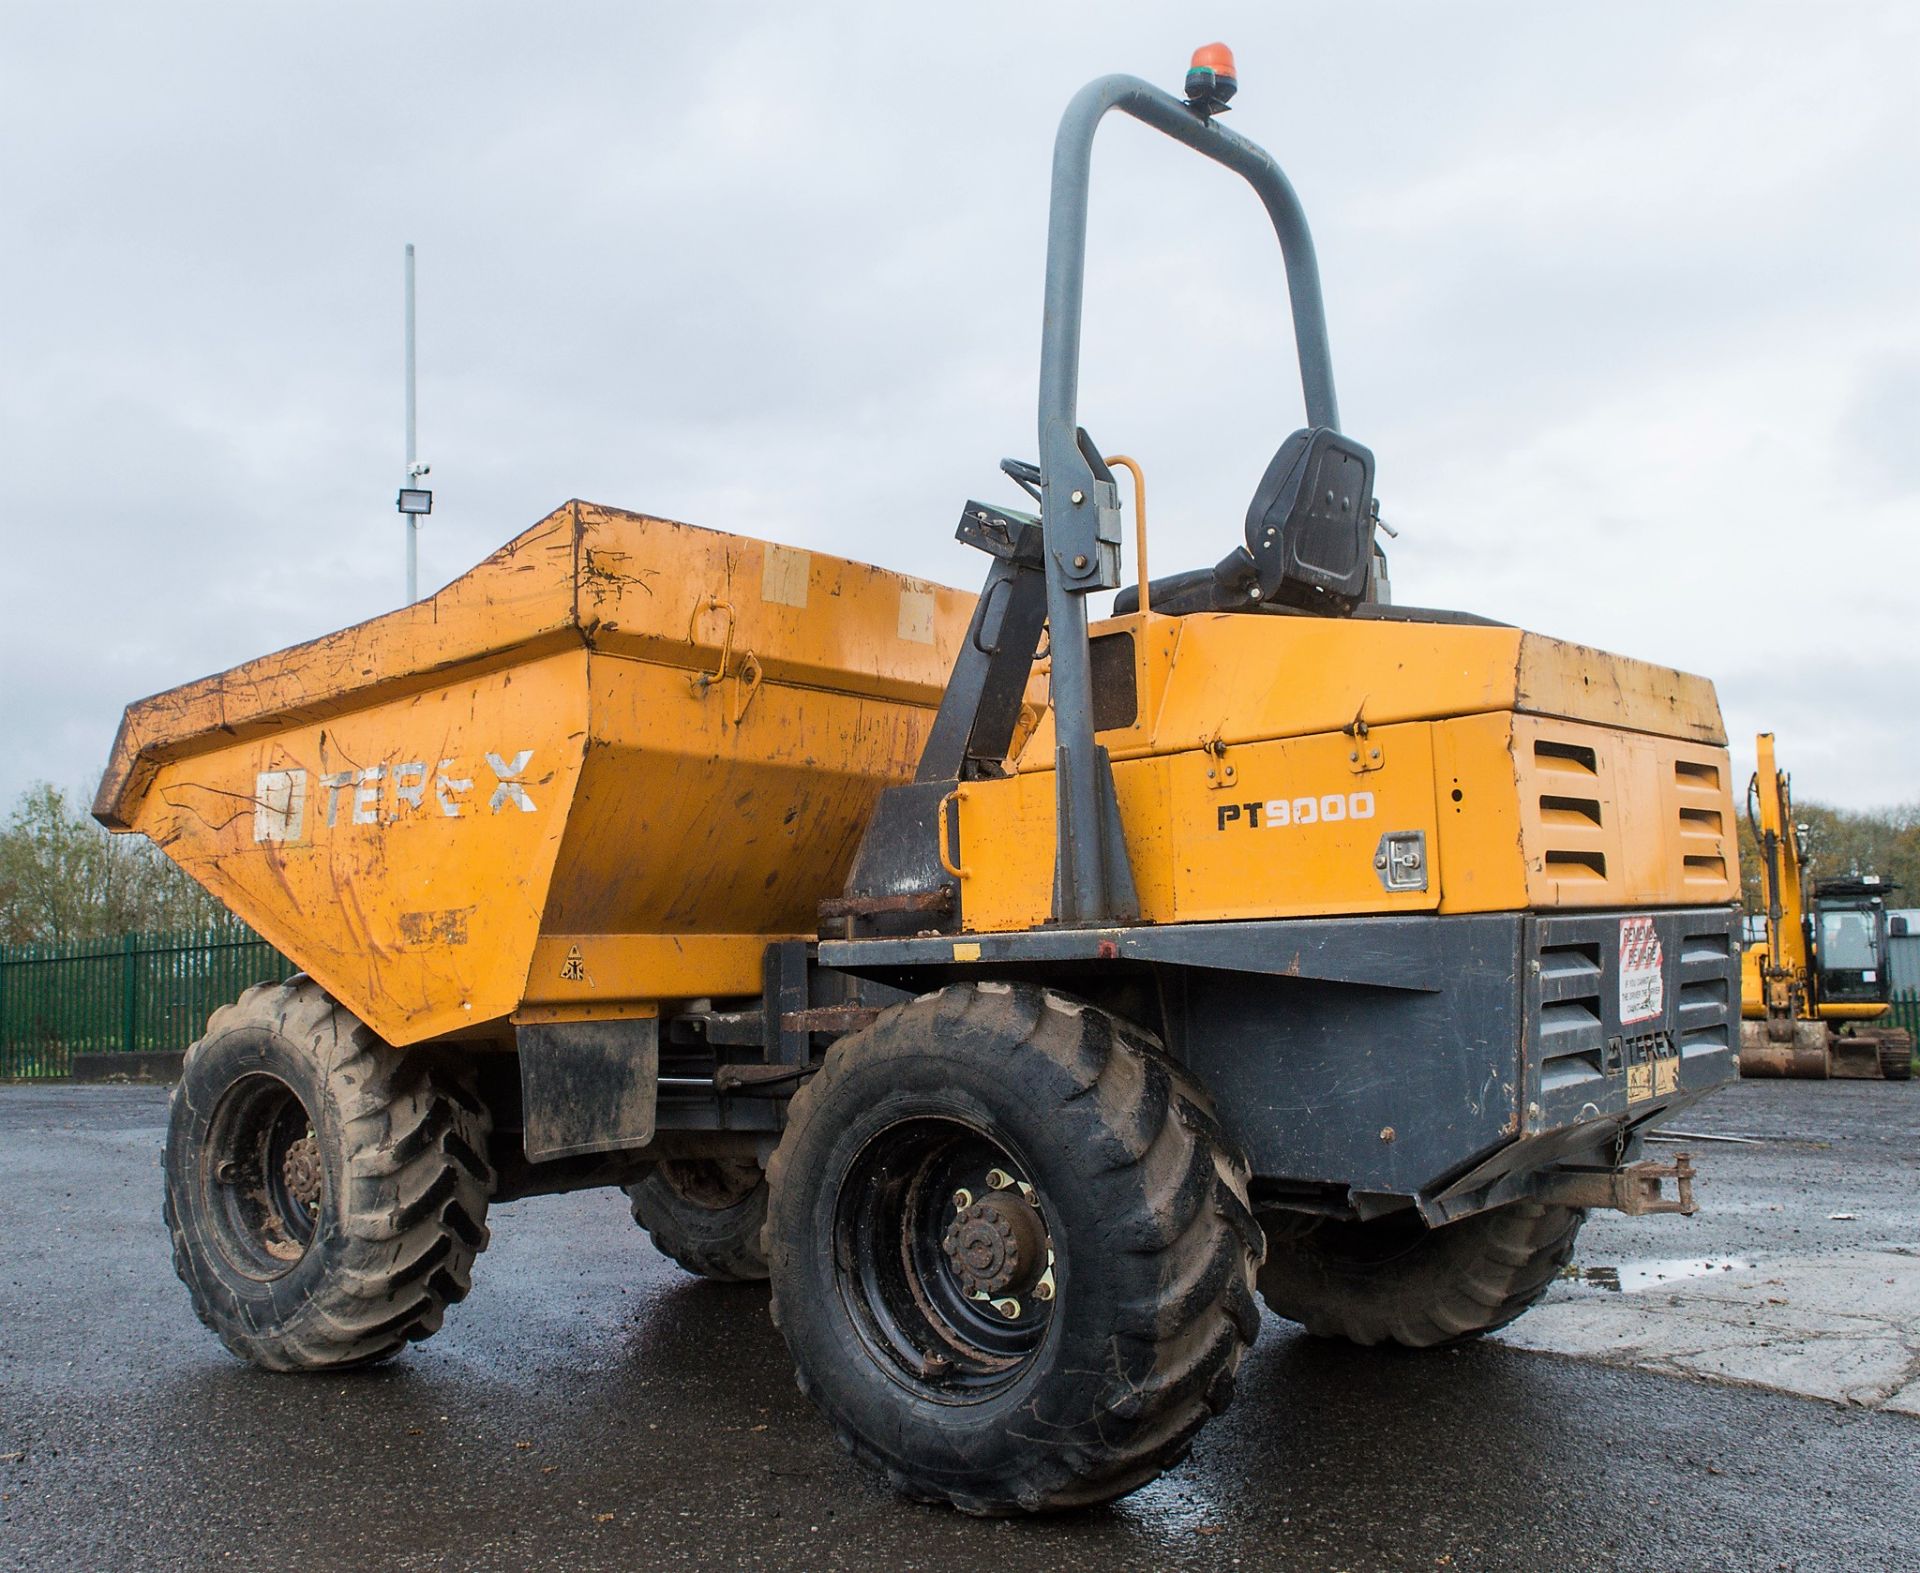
[
  {"x": 1007, "y": 1308},
  {"x": 1043, "y": 1290},
  {"x": 962, "y": 1200},
  {"x": 999, "y": 1179}
]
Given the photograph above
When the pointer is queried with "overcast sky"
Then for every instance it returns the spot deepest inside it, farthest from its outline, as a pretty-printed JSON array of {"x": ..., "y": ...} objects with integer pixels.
[{"x": 1623, "y": 297}]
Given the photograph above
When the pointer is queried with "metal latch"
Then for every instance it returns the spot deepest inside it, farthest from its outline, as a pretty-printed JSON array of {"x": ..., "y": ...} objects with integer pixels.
[{"x": 1400, "y": 860}]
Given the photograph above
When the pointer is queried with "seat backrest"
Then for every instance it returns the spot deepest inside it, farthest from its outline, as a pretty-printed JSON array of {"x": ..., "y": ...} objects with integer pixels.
[{"x": 1310, "y": 527}]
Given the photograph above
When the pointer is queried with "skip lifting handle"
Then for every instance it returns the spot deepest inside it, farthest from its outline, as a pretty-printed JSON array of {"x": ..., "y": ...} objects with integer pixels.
[
  {"x": 749, "y": 675},
  {"x": 702, "y": 681}
]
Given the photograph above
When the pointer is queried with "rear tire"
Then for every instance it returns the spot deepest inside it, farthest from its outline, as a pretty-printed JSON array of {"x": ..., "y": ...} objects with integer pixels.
[
  {"x": 1011, "y": 1251},
  {"x": 1896, "y": 1054},
  {"x": 1394, "y": 1280},
  {"x": 706, "y": 1215},
  {"x": 326, "y": 1193}
]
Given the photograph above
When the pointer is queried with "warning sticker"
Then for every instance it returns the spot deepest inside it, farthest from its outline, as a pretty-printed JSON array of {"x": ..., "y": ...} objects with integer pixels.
[{"x": 1642, "y": 992}]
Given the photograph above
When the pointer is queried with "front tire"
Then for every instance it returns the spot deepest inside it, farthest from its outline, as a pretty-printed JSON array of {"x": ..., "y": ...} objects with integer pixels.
[
  {"x": 706, "y": 1215},
  {"x": 1393, "y": 1280},
  {"x": 326, "y": 1193},
  {"x": 1011, "y": 1251}
]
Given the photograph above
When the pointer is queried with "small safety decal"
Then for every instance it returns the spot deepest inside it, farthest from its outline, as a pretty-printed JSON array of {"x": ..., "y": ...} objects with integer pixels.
[
  {"x": 1642, "y": 990},
  {"x": 574, "y": 968}
]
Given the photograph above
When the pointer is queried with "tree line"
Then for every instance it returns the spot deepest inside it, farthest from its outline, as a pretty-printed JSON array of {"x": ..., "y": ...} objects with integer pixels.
[
  {"x": 63, "y": 878},
  {"x": 1845, "y": 841}
]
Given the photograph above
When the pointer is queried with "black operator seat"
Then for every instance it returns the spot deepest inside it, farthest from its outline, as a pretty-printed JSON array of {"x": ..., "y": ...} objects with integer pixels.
[{"x": 1309, "y": 544}]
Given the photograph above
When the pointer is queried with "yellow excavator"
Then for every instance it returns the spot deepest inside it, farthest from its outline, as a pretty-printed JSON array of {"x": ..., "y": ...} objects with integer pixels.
[{"x": 1814, "y": 992}]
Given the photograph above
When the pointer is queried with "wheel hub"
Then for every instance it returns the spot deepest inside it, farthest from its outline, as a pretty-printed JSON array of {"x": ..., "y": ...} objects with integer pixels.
[
  {"x": 996, "y": 1246},
  {"x": 301, "y": 1170}
]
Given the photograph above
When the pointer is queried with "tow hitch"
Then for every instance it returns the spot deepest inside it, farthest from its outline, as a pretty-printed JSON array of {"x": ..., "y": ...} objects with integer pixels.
[{"x": 1636, "y": 1190}]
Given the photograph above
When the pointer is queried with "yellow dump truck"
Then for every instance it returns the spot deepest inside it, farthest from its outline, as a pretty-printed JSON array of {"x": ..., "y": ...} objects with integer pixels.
[{"x": 1021, "y": 993}]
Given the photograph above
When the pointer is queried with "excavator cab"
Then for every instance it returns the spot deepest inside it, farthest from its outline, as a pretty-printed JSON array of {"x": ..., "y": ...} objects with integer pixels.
[{"x": 1847, "y": 939}]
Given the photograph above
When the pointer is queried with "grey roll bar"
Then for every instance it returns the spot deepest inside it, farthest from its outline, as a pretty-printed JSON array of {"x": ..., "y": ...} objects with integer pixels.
[{"x": 1079, "y": 506}]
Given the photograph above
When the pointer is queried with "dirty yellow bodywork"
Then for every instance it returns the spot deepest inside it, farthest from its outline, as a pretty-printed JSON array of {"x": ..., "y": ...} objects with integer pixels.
[
  {"x": 1259, "y": 760},
  {"x": 602, "y": 770},
  {"x": 599, "y": 771}
]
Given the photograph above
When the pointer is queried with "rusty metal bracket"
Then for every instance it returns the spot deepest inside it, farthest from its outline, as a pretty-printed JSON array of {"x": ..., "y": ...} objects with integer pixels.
[
  {"x": 1220, "y": 774},
  {"x": 749, "y": 1079},
  {"x": 746, "y": 684},
  {"x": 939, "y": 900},
  {"x": 829, "y": 1018},
  {"x": 1636, "y": 1190}
]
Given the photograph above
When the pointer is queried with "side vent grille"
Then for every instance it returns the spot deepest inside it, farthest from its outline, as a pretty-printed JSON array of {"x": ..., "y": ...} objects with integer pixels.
[
  {"x": 1581, "y": 811},
  {"x": 1708, "y": 949},
  {"x": 1708, "y": 1004},
  {"x": 1549, "y": 755},
  {"x": 1572, "y": 1036},
  {"x": 1701, "y": 827},
  {"x": 1573, "y": 817}
]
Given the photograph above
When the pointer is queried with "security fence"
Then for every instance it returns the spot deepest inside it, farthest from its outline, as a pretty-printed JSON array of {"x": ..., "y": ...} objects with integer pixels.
[
  {"x": 1906, "y": 1012},
  {"x": 131, "y": 993}
]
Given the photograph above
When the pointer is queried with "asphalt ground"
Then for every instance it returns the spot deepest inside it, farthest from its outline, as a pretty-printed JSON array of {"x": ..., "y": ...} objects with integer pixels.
[
  {"x": 1800, "y": 1273},
  {"x": 590, "y": 1406}
]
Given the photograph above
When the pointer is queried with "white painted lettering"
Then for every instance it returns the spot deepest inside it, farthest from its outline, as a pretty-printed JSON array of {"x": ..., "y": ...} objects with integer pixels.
[
  {"x": 279, "y": 805},
  {"x": 510, "y": 790},
  {"x": 366, "y": 794},
  {"x": 1329, "y": 809},
  {"x": 340, "y": 781},
  {"x": 409, "y": 785},
  {"x": 447, "y": 789}
]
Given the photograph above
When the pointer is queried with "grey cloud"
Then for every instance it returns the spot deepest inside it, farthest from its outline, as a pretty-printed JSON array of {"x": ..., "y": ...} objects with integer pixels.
[{"x": 1604, "y": 312}]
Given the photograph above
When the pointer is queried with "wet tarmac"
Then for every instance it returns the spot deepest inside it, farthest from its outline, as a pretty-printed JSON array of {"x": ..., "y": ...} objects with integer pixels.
[
  {"x": 590, "y": 1406},
  {"x": 1801, "y": 1273}
]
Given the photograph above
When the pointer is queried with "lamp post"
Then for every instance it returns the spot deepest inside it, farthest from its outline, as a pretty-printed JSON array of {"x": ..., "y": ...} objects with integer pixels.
[{"x": 414, "y": 501}]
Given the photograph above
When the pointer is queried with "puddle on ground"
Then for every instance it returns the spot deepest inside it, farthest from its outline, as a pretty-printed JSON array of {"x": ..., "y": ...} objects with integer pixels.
[{"x": 1629, "y": 1276}]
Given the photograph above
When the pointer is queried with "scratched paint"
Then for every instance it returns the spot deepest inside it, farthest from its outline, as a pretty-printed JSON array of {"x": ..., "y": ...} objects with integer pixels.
[{"x": 420, "y": 809}]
